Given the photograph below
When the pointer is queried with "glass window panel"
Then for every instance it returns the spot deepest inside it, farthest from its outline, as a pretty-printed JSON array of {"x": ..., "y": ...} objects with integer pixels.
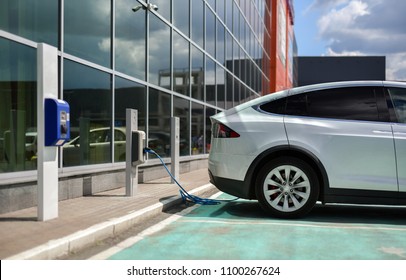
[
  {"x": 236, "y": 20},
  {"x": 220, "y": 9},
  {"x": 181, "y": 15},
  {"x": 210, "y": 81},
  {"x": 90, "y": 120},
  {"x": 164, "y": 8},
  {"x": 181, "y": 68},
  {"x": 220, "y": 44},
  {"x": 236, "y": 59},
  {"x": 229, "y": 88},
  {"x": 159, "y": 122},
  {"x": 159, "y": 52},
  {"x": 87, "y": 27},
  {"x": 181, "y": 109},
  {"x": 229, "y": 15},
  {"x": 229, "y": 52},
  {"x": 209, "y": 112},
  {"x": 197, "y": 74},
  {"x": 18, "y": 107},
  {"x": 244, "y": 69},
  {"x": 212, "y": 3},
  {"x": 197, "y": 22},
  {"x": 130, "y": 40},
  {"x": 210, "y": 32},
  {"x": 198, "y": 128},
  {"x": 236, "y": 92},
  {"x": 220, "y": 82},
  {"x": 243, "y": 94},
  {"x": 242, "y": 31},
  {"x": 34, "y": 20},
  {"x": 128, "y": 95}
]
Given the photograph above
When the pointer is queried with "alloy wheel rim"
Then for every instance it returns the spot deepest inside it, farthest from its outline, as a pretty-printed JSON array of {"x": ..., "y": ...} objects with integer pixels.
[{"x": 286, "y": 188}]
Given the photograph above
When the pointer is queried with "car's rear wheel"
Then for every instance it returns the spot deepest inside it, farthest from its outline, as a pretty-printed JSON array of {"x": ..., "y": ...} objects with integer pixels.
[{"x": 287, "y": 187}]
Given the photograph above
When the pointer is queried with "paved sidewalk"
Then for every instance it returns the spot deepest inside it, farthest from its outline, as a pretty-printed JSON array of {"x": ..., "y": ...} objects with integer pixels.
[{"x": 85, "y": 220}]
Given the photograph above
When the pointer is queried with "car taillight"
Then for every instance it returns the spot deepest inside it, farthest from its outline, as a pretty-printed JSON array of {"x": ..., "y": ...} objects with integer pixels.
[{"x": 222, "y": 131}]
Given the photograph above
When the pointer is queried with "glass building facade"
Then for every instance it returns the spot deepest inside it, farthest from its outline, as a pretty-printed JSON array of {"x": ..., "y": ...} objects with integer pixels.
[{"x": 188, "y": 59}]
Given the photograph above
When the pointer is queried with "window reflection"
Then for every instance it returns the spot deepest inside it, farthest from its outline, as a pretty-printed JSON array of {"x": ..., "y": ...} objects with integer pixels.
[
  {"x": 210, "y": 33},
  {"x": 159, "y": 52},
  {"x": 229, "y": 88},
  {"x": 181, "y": 15},
  {"x": 220, "y": 44},
  {"x": 159, "y": 121},
  {"x": 130, "y": 40},
  {"x": 181, "y": 109},
  {"x": 209, "y": 112},
  {"x": 212, "y": 3},
  {"x": 210, "y": 81},
  {"x": 164, "y": 8},
  {"x": 197, "y": 74},
  {"x": 236, "y": 92},
  {"x": 197, "y": 129},
  {"x": 220, "y": 82},
  {"x": 87, "y": 26},
  {"x": 18, "y": 107},
  {"x": 197, "y": 21},
  {"x": 236, "y": 21},
  {"x": 88, "y": 92},
  {"x": 181, "y": 68},
  {"x": 34, "y": 20},
  {"x": 220, "y": 9},
  {"x": 229, "y": 14},
  {"x": 128, "y": 95}
]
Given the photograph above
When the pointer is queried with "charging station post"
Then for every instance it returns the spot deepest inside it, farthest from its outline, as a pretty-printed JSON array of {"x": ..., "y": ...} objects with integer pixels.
[
  {"x": 175, "y": 140},
  {"x": 135, "y": 155},
  {"x": 47, "y": 157}
]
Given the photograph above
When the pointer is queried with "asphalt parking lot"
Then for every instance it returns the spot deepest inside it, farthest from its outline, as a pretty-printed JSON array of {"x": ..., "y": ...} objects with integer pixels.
[{"x": 240, "y": 230}]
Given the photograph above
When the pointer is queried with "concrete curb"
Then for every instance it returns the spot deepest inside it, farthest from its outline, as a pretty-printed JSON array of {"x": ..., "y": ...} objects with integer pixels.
[{"x": 81, "y": 239}]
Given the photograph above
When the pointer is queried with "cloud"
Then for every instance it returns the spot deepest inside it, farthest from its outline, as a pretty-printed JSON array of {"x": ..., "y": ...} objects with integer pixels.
[
  {"x": 396, "y": 66},
  {"x": 341, "y": 21},
  {"x": 330, "y": 52},
  {"x": 365, "y": 27},
  {"x": 324, "y": 5}
]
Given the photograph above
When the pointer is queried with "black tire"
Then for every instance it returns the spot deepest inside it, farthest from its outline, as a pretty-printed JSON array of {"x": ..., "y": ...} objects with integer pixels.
[{"x": 291, "y": 197}]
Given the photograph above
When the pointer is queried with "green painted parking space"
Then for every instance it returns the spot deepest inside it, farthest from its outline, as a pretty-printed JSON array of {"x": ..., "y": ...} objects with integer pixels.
[{"x": 241, "y": 230}]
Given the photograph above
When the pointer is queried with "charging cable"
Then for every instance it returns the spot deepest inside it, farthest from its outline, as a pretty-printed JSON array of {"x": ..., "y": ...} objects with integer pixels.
[{"x": 184, "y": 194}]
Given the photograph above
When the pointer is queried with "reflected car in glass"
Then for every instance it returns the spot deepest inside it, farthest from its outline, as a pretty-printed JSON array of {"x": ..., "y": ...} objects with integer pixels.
[
  {"x": 342, "y": 142},
  {"x": 98, "y": 149}
]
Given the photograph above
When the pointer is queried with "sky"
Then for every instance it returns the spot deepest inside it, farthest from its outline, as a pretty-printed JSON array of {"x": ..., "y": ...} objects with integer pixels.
[{"x": 354, "y": 27}]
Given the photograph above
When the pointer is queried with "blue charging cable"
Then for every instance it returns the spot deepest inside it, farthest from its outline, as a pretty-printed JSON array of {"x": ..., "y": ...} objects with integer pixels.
[{"x": 184, "y": 194}]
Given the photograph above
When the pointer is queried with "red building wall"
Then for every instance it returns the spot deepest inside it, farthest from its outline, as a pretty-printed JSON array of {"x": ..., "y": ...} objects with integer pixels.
[{"x": 282, "y": 38}]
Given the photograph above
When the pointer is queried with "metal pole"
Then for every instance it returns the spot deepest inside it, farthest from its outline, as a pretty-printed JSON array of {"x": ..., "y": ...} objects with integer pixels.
[
  {"x": 47, "y": 87},
  {"x": 131, "y": 172},
  {"x": 175, "y": 140}
]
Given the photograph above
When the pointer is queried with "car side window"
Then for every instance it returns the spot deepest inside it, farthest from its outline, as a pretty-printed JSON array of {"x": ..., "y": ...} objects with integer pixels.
[
  {"x": 353, "y": 103},
  {"x": 275, "y": 106},
  {"x": 98, "y": 136},
  {"x": 398, "y": 96},
  {"x": 119, "y": 136},
  {"x": 297, "y": 105}
]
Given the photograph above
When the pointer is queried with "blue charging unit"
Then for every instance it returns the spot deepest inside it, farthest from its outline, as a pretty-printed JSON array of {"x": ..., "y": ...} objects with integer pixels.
[{"x": 57, "y": 122}]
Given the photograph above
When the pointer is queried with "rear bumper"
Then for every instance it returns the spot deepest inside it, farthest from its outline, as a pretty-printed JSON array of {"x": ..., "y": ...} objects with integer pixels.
[{"x": 233, "y": 187}]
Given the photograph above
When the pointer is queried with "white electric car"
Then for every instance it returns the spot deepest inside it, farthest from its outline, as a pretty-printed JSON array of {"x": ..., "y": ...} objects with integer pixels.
[{"x": 342, "y": 142}]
